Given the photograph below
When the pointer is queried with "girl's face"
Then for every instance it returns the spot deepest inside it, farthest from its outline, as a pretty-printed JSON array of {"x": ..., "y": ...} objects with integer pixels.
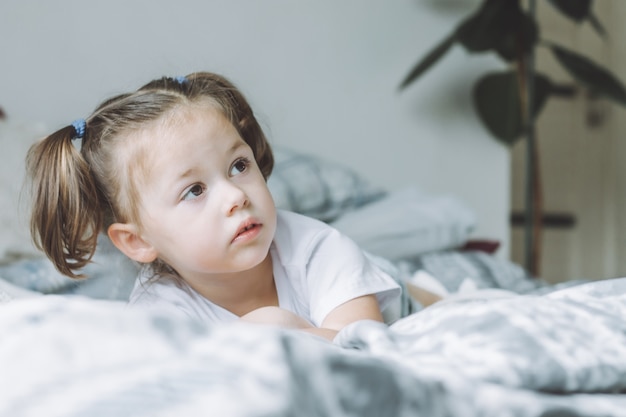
[{"x": 204, "y": 204}]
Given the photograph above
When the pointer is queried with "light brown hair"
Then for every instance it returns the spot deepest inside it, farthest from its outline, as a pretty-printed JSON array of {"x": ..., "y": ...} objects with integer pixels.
[{"x": 77, "y": 193}]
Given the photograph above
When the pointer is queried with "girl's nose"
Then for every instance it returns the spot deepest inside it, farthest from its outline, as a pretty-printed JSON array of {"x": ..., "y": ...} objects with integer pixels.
[{"x": 235, "y": 198}]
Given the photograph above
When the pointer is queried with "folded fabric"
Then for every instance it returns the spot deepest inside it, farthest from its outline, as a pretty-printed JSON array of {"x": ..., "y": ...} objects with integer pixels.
[
  {"x": 10, "y": 292},
  {"x": 565, "y": 342},
  {"x": 111, "y": 275}
]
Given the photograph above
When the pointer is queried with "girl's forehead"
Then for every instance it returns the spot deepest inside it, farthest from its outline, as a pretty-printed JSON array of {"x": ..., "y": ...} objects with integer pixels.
[
  {"x": 156, "y": 140},
  {"x": 181, "y": 114},
  {"x": 174, "y": 124}
]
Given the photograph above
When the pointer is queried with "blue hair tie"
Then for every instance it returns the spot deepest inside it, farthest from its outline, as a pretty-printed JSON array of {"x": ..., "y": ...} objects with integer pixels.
[
  {"x": 79, "y": 128},
  {"x": 181, "y": 79}
]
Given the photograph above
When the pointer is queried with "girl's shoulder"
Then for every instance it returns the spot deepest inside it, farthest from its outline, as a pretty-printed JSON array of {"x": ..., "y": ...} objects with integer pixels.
[
  {"x": 298, "y": 236},
  {"x": 295, "y": 220},
  {"x": 293, "y": 227}
]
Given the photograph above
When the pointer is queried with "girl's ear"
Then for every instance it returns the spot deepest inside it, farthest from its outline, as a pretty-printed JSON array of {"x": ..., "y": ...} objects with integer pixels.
[{"x": 126, "y": 238}]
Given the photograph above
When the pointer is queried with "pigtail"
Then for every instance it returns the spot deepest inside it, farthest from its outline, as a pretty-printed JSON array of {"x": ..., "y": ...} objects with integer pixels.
[{"x": 66, "y": 217}]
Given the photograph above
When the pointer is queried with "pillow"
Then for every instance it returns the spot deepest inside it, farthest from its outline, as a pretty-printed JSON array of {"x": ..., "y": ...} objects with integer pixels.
[
  {"x": 111, "y": 275},
  {"x": 10, "y": 292},
  {"x": 407, "y": 223},
  {"x": 457, "y": 274},
  {"x": 15, "y": 139},
  {"x": 455, "y": 269},
  {"x": 317, "y": 188}
]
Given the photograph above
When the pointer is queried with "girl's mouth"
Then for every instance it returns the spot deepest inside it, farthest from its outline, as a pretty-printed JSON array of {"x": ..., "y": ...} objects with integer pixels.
[{"x": 248, "y": 230}]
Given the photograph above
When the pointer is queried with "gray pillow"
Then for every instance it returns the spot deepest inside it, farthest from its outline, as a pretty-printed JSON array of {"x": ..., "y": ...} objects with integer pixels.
[{"x": 316, "y": 187}]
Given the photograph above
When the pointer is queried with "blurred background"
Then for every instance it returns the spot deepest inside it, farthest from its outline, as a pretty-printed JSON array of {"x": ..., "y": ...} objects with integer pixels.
[{"x": 323, "y": 79}]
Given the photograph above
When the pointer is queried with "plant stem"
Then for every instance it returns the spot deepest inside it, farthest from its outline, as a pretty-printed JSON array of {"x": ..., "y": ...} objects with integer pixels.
[{"x": 532, "y": 224}]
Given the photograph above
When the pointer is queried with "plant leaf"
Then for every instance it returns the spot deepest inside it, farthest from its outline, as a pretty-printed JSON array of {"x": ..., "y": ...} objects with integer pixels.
[
  {"x": 482, "y": 30},
  {"x": 519, "y": 39},
  {"x": 497, "y": 101},
  {"x": 591, "y": 74},
  {"x": 577, "y": 10},
  {"x": 501, "y": 26},
  {"x": 426, "y": 62},
  {"x": 597, "y": 25}
]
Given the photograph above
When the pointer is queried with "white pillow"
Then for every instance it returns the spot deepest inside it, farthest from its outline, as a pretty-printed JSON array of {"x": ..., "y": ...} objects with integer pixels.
[
  {"x": 15, "y": 139},
  {"x": 407, "y": 223}
]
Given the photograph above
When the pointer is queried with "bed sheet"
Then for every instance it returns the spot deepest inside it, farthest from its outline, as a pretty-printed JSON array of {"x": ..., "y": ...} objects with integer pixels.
[{"x": 562, "y": 353}]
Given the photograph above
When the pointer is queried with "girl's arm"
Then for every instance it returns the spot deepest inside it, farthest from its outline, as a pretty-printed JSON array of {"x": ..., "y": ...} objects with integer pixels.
[{"x": 360, "y": 308}]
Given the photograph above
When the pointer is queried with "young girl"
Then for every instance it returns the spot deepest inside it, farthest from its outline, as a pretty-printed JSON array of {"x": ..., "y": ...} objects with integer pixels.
[{"x": 175, "y": 173}]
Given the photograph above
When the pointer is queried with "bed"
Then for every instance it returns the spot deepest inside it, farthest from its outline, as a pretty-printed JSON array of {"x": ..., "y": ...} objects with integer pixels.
[{"x": 493, "y": 341}]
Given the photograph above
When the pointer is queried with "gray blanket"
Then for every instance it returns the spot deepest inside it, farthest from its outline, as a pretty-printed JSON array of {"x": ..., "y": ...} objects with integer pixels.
[{"x": 561, "y": 354}]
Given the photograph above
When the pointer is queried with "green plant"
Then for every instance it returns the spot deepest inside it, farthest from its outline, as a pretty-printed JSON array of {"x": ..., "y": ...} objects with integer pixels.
[
  {"x": 505, "y": 28},
  {"x": 508, "y": 102}
]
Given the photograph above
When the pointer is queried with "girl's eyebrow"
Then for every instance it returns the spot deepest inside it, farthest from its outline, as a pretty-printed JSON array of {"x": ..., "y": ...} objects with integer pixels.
[
  {"x": 236, "y": 146},
  {"x": 189, "y": 172},
  {"x": 185, "y": 174}
]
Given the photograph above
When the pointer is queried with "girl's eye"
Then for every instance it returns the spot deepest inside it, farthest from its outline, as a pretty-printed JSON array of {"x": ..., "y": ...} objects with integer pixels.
[
  {"x": 193, "y": 192},
  {"x": 239, "y": 166}
]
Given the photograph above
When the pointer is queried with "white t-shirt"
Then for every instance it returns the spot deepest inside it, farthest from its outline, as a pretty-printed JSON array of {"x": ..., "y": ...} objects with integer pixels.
[{"x": 316, "y": 269}]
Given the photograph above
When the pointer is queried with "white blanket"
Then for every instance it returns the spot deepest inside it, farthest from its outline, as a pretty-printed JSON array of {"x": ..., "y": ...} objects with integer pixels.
[{"x": 524, "y": 356}]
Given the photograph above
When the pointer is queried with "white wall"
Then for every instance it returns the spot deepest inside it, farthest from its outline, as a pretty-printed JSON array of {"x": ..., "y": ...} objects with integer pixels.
[{"x": 321, "y": 74}]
